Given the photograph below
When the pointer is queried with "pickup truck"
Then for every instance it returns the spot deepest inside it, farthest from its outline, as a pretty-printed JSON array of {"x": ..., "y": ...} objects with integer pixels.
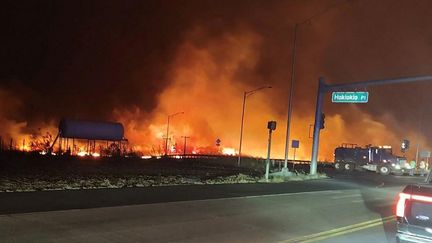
[{"x": 414, "y": 212}]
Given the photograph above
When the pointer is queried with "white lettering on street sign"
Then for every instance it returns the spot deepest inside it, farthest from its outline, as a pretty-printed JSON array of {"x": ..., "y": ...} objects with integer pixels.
[{"x": 350, "y": 97}]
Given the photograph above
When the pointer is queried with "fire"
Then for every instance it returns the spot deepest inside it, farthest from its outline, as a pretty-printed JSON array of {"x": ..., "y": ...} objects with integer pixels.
[
  {"x": 206, "y": 86},
  {"x": 207, "y": 79},
  {"x": 82, "y": 153},
  {"x": 96, "y": 155},
  {"x": 25, "y": 148},
  {"x": 229, "y": 151}
]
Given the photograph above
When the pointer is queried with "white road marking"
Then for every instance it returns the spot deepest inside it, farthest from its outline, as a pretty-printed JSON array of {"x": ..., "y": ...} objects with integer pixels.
[{"x": 273, "y": 195}]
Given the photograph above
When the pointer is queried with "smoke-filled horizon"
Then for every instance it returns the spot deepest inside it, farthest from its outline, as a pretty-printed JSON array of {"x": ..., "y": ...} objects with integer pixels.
[{"x": 137, "y": 62}]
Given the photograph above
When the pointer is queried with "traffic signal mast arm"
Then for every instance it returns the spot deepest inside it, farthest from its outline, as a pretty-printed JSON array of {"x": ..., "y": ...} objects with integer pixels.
[
  {"x": 324, "y": 88},
  {"x": 364, "y": 84}
]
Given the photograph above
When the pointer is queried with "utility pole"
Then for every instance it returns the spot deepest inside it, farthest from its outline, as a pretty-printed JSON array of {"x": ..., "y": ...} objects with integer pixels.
[
  {"x": 310, "y": 129},
  {"x": 293, "y": 61},
  {"x": 167, "y": 134},
  {"x": 241, "y": 129},
  {"x": 420, "y": 131},
  {"x": 288, "y": 129},
  {"x": 417, "y": 153},
  {"x": 184, "y": 144}
]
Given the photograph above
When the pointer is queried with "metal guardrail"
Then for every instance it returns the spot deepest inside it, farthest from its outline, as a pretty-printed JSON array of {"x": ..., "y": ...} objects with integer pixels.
[{"x": 213, "y": 156}]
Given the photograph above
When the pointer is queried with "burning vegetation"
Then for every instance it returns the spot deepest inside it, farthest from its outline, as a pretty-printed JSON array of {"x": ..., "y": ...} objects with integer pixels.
[{"x": 199, "y": 60}]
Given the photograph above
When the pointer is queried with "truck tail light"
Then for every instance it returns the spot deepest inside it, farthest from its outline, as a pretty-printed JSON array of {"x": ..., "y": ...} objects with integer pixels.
[
  {"x": 400, "y": 206},
  {"x": 422, "y": 198},
  {"x": 403, "y": 197}
]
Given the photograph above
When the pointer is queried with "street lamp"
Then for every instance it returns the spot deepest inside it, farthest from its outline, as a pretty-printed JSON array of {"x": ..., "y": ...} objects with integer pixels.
[
  {"x": 293, "y": 60},
  {"x": 245, "y": 95},
  {"x": 167, "y": 133}
]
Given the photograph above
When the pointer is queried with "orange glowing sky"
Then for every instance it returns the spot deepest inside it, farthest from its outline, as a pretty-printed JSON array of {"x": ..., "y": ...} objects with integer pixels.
[{"x": 137, "y": 63}]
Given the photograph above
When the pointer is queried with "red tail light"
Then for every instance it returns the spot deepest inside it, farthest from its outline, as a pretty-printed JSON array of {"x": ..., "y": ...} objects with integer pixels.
[
  {"x": 421, "y": 198},
  {"x": 400, "y": 206},
  {"x": 403, "y": 197}
]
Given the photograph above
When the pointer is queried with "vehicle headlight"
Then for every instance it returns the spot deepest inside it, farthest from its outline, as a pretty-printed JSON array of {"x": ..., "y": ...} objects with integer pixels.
[{"x": 393, "y": 164}]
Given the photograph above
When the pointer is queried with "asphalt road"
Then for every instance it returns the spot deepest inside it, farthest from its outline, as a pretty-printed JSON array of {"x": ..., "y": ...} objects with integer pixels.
[{"x": 355, "y": 208}]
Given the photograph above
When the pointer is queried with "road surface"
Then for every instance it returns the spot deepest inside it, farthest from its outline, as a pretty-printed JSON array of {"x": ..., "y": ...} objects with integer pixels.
[{"x": 354, "y": 208}]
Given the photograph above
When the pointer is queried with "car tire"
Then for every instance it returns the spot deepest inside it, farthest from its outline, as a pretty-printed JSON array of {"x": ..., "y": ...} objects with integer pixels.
[
  {"x": 384, "y": 170},
  {"x": 338, "y": 165},
  {"x": 398, "y": 173},
  {"x": 349, "y": 167}
]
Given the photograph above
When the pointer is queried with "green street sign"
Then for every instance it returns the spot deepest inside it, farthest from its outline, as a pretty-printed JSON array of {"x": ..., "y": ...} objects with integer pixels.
[{"x": 350, "y": 97}]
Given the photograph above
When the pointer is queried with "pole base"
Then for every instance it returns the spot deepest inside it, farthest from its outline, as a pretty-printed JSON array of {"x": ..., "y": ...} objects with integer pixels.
[{"x": 284, "y": 172}]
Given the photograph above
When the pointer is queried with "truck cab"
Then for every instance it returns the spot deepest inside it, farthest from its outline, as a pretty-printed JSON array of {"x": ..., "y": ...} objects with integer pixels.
[{"x": 414, "y": 213}]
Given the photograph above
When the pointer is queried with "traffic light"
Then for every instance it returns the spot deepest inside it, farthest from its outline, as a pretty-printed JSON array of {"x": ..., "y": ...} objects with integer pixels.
[
  {"x": 405, "y": 145},
  {"x": 322, "y": 121},
  {"x": 271, "y": 125}
]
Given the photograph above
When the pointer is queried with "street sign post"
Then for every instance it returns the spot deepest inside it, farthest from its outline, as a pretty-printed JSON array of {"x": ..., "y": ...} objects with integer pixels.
[
  {"x": 295, "y": 144},
  {"x": 425, "y": 154},
  {"x": 271, "y": 125},
  {"x": 350, "y": 97}
]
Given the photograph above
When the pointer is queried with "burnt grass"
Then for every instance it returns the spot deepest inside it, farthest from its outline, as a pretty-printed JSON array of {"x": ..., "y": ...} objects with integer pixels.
[
  {"x": 32, "y": 171},
  {"x": 28, "y": 164}
]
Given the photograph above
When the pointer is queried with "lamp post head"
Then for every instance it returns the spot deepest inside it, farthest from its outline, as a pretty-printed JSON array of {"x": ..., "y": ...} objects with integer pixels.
[
  {"x": 174, "y": 114},
  {"x": 253, "y": 91}
]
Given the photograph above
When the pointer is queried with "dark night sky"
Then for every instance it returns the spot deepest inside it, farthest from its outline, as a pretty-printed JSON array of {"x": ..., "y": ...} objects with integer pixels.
[
  {"x": 64, "y": 52},
  {"x": 58, "y": 54},
  {"x": 65, "y": 58}
]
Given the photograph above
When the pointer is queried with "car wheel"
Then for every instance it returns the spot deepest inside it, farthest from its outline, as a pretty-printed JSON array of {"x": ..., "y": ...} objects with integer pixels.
[
  {"x": 338, "y": 165},
  {"x": 349, "y": 167},
  {"x": 384, "y": 170},
  {"x": 398, "y": 173}
]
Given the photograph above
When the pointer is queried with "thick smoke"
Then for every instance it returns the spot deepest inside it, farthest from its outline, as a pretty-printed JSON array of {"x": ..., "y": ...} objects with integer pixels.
[{"x": 141, "y": 61}]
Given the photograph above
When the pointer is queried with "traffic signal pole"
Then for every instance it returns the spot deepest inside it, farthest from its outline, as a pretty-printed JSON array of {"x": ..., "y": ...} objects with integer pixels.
[
  {"x": 317, "y": 124},
  {"x": 323, "y": 88}
]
